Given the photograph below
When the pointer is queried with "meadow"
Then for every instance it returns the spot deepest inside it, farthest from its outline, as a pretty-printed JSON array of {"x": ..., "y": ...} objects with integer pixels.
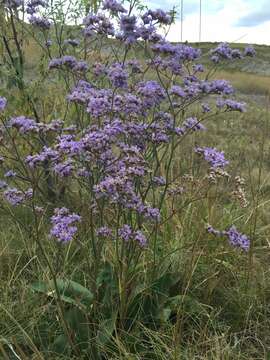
[{"x": 134, "y": 190}]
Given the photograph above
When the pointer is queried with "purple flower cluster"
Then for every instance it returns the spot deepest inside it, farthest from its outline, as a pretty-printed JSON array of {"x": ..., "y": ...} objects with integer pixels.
[
  {"x": 236, "y": 239},
  {"x": 64, "y": 169},
  {"x": 3, "y": 184},
  {"x": 214, "y": 157},
  {"x": 10, "y": 174},
  {"x": 98, "y": 23},
  {"x": 16, "y": 197},
  {"x": 104, "y": 232},
  {"x": 231, "y": 105},
  {"x": 159, "y": 16},
  {"x": 69, "y": 62},
  {"x": 64, "y": 228},
  {"x": 250, "y": 51},
  {"x": 24, "y": 125},
  {"x": 128, "y": 28},
  {"x": 127, "y": 234},
  {"x": 3, "y": 103},
  {"x": 114, "y": 6},
  {"x": 33, "y": 5},
  {"x": 47, "y": 154},
  {"x": 151, "y": 92},
  {"x": 41, "y": 22},
  {"x": 193, "y": 124},
  {"x": 224, "y": 52},
  {"x": 29, "y": 126},
  {"x": 118, "y": 76}
]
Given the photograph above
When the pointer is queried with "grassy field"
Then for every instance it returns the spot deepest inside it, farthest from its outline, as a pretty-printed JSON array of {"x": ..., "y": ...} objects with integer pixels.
[{"x": 209, "y": 301}]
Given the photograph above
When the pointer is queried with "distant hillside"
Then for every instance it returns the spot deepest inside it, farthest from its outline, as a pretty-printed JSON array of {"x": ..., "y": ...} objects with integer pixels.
[{"x": 260, "y": 65}]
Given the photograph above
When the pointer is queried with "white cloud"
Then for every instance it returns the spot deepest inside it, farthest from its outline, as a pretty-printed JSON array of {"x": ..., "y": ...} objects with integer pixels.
[{"x": 221, "y": 25}]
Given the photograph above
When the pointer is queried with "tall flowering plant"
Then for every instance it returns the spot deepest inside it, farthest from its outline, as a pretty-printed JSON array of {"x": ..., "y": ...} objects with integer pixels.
[{"x": 97, "y": 172}]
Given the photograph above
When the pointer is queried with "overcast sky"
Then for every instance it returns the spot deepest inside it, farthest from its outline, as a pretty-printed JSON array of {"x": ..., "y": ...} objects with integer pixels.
[{"x": 222, "y": 20}]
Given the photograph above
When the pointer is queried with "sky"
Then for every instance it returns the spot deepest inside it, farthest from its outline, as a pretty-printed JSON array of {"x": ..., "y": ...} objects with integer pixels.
[{"x": 246, "y": 21}]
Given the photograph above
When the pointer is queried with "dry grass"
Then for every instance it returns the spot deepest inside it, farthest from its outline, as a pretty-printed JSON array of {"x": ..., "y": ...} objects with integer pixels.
[{"x": 246, "y": 83}]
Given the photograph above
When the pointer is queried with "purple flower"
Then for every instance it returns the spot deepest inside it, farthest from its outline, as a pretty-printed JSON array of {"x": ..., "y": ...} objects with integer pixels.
[
  {"x": 198, "y": 68},
  {"x": 215, "y": 59},
  {"x": 10, "y": 174},
  {"x": 99, "y": 103},
  {"x": 55, "y": 63},
  {"x": 232, "y": 105},
  {"x": 125, "y": 233},
  {"x": 250, "y": 51},
  {"x": 178, "y": 91},
  {"x": 151, "y": 92},
  {"x": 69, "y": 61},
  {"x": 159, "y": 181},
  {"x": 3, "y": 184},
  {"x": 99, "y": 69},
  {"x": 81, "y": 66},
  {"x": 64, "y": 169},
  {"x": 82, "y": 92},
  {"x": 213, "y": 231},
  {"x": 151, "y": 213},
  {"x": 46, "y": 155},
  {"x": 24, "y": 125},
  {"x": 40, "y": 22},
  {"x": 63, "y": 228},
  {"x": 3, "y": 103},
  {"x": 48, "y": 43},
  {"x": 146, "y": 32},
  {"x": 140, "y": 237},
  {"x": 219, "y": 87},
  {"x": 223, "y": 51},
  {"x": 164, "y": 47},
  {"x": 97, "y": 24},
  {"x": 32, "y": 6},
  {"x": 135, "y": 66},
  {"x": 236, "y": 54},
  {"x": 193, "y": 124},
  {"x": 237, "y": 239},
  {"x": 15, "y": 196},
  {"x": 83, "y": 173},
  {"x": 206, "y": 108},
  {"x": 104, "y": 232},
  {"x": 118, "y": 76},
  {"x": 157, "y": 15},
  {"x": 214, "y": 157},
  {"x": 54, "y": 126},
  {"x": 128, "y": 28},
  {"x": 114, "y": 6},
  {"x": 36, "y": 3}
]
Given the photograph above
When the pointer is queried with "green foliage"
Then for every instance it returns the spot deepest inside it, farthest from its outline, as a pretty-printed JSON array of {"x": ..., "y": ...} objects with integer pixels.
[{"x": 70, "y": 291}]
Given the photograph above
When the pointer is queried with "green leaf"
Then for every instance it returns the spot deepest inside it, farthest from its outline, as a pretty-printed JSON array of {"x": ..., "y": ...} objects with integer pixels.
[
  {"x": 189, "y": 304},
  {"x": 70, "y": 291},
  {"x": 60, "y": 345},
  {"x": 106, "y": 329}
]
